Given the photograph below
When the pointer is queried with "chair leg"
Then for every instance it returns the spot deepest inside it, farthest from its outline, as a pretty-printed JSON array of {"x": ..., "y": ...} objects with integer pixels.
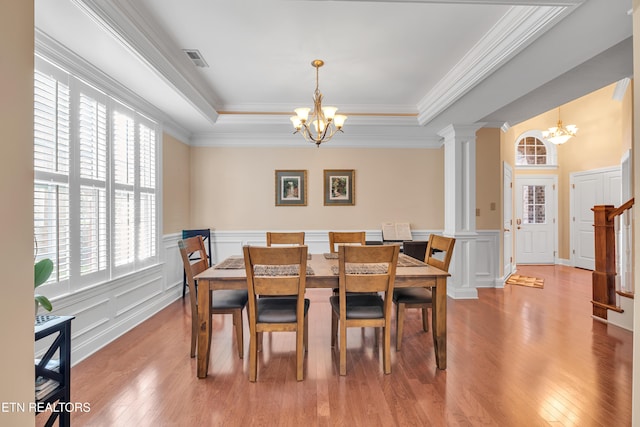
[
  {"x": 387, "y": 349},
  {"x": 253, "y": 356},
  {"x": 194, "y": 337},
  {"x": 260, "y": 341},
  {"x": 334, "y": 328},
  {"x": 399, "y": 325},
  {"x": 300, "y": 338},
  {"x": 343, "y": 349},
  {"x": 306, "y": 334},
  {"x": 237, "y": 321},
  {"x": 425, "y": 319}
]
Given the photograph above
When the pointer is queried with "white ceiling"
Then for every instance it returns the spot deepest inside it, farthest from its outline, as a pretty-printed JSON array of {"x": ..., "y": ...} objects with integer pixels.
[{"x": 404, "y": 70}]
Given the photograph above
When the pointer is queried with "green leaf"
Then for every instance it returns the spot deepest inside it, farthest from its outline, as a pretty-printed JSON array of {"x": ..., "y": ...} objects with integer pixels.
[
  {"x": 44, "y": 302},
  {"x": 42, "y": 271}
]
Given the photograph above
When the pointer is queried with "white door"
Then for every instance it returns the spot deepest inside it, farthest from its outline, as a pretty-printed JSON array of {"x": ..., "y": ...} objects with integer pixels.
[
  {"x": 587, "y": 192},
  {"x": 507, "y": 216},
  {"x": 589, "y": 189},
  {"x": 535, "y": 220}
]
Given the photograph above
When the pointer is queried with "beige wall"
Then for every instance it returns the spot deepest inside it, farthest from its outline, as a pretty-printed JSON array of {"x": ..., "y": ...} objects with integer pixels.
[
  {"x": 176, "y": 185},
  {"x": 233, "y": 188},
  {"x": 16, "y": 212},
  {"x": 603, "y": 137},
  {"x": 488, "y": 178}
]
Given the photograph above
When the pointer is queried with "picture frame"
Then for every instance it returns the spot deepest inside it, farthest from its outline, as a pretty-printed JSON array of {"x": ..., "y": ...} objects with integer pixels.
[
  {"x": 291, "y": 187},
  {"x": 339, "y": 187}
]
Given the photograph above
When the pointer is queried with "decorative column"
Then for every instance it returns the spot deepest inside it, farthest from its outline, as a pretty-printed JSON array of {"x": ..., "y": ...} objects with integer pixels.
[{"x": 460, "y": 207}]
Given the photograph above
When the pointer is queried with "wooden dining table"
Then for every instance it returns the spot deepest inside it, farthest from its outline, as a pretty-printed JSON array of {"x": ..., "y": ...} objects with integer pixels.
[{"x": 230, "y": 274}]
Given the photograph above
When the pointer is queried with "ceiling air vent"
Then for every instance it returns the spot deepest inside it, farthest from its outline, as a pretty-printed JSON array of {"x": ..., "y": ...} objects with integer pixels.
[{"x": 196, "y": 57}]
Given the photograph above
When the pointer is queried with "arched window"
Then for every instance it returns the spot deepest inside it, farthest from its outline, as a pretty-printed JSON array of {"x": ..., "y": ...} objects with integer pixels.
[{"x": 533, "y": 151}]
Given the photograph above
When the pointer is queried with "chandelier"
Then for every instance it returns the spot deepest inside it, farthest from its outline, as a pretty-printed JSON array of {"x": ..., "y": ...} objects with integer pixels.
[
  {"x": 560, "y": 134},
  {"x": 322, "y": 123}
]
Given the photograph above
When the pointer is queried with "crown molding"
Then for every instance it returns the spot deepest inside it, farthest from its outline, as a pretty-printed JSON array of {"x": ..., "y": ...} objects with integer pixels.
[
  {"x": 51, "y": 50},
  {"x": 128, "y": 25},
  {"x": 283, "y": 119},
  {"x": 367, "y": 134},
  {"x": 460, "y": 131},
  {"x": 499, "y": 2},
  {"x": 621, "y": 89},
  {"x": 519, "y": 27}
]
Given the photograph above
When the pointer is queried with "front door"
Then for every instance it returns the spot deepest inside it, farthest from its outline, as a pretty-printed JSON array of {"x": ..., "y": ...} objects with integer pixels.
[{"x": 535, "y": 220}]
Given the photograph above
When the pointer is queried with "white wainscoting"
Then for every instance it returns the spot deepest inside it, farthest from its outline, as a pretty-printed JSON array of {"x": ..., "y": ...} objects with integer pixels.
[
  {"x": 106, "y": 311},
  {"x": 487, "y": 259},
  {"x": 227, "y": 243}
]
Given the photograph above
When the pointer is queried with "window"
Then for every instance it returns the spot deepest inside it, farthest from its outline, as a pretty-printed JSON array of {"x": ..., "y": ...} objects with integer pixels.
[
  {"x": 533, "y": 204},
  {"x": 95, "y": 188},
  {"x": 533, "y": 152}
]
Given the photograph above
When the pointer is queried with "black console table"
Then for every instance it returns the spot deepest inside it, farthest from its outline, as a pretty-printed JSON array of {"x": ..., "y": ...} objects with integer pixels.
[{"x": 53, "y": 376}]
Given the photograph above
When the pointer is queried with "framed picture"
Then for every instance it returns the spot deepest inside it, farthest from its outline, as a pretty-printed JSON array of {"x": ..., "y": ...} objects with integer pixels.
[
  {"x": 339, "y": 187},
  {"x": 291, "y": 188}
]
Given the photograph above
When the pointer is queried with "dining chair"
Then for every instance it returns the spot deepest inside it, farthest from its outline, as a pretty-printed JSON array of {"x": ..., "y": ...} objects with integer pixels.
[
  {"x": 438, "y": 254},
  {"x": 222, "y": 301},
  {"x": 285, "y": 238},
  {"x": 364, "y": 271},
  {"x": 415, "y": 248},
  {"x": 206, "y": 237},
  {"x": 277, "y": 272},
  {"x": 278, "y": 239},
  {"x": 345, "y": 237}
]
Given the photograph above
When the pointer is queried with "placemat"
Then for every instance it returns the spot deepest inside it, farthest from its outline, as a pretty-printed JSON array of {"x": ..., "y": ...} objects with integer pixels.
[
  {"x": 236, "y": 262},
  {"x": 361, "y": 269},
  {"x": 233, "y": 262},
  {"x": 279, "y": 270},
  {"x": 407, "y": 261}
]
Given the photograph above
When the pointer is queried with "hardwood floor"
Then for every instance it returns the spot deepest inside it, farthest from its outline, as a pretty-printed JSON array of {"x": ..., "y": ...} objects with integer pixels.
[{"x": 517, "y": 356}]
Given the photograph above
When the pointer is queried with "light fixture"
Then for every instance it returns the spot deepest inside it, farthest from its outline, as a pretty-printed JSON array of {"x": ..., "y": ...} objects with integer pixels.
[
  {"x": 560, "y": 134},
  {"x": 322, "y": 123}
]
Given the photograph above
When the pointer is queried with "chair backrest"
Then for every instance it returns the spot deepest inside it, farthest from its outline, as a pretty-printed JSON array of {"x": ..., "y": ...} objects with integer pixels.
[
  {"x": 415, "y": 249},
  {"x": 195, "y": 261},
  {"x": 367, "y": 269},
  {"x": 436, "y": 245},
  {"x": 278, "y": 271},
  {"x": 346, "y": 237},
  {"x": 285, "y": 238},
  {"x": 206, "y": 237}
]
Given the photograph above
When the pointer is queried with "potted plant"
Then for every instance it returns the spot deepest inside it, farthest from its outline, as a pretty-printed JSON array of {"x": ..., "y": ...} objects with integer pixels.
[{"x": 42, "y": 271}]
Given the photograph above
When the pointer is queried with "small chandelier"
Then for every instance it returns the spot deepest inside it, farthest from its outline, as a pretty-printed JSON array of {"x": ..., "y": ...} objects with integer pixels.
[
  {"x": 324, "y": 120},
  {"x": 560, "y": 134}
]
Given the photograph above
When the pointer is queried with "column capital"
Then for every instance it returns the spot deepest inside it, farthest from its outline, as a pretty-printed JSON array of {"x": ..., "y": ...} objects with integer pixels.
[{"x": 460, "y": 131}]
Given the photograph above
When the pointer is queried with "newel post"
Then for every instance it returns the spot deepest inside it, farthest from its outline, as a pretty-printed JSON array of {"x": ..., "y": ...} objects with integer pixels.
[{"x": 604, "y": 276}]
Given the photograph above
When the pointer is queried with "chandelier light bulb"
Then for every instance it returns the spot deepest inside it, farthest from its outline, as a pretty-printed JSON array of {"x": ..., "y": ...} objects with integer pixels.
[
  {"x": 559, "y": 134},
  {"x": 319, "y": 124}
]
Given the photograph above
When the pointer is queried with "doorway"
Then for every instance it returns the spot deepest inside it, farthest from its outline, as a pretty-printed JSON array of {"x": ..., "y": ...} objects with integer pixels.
[
  {"x": 536, "y": 228},
  {"x": 507, "y": 218},
  {"x": 590, "y": 188}
]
